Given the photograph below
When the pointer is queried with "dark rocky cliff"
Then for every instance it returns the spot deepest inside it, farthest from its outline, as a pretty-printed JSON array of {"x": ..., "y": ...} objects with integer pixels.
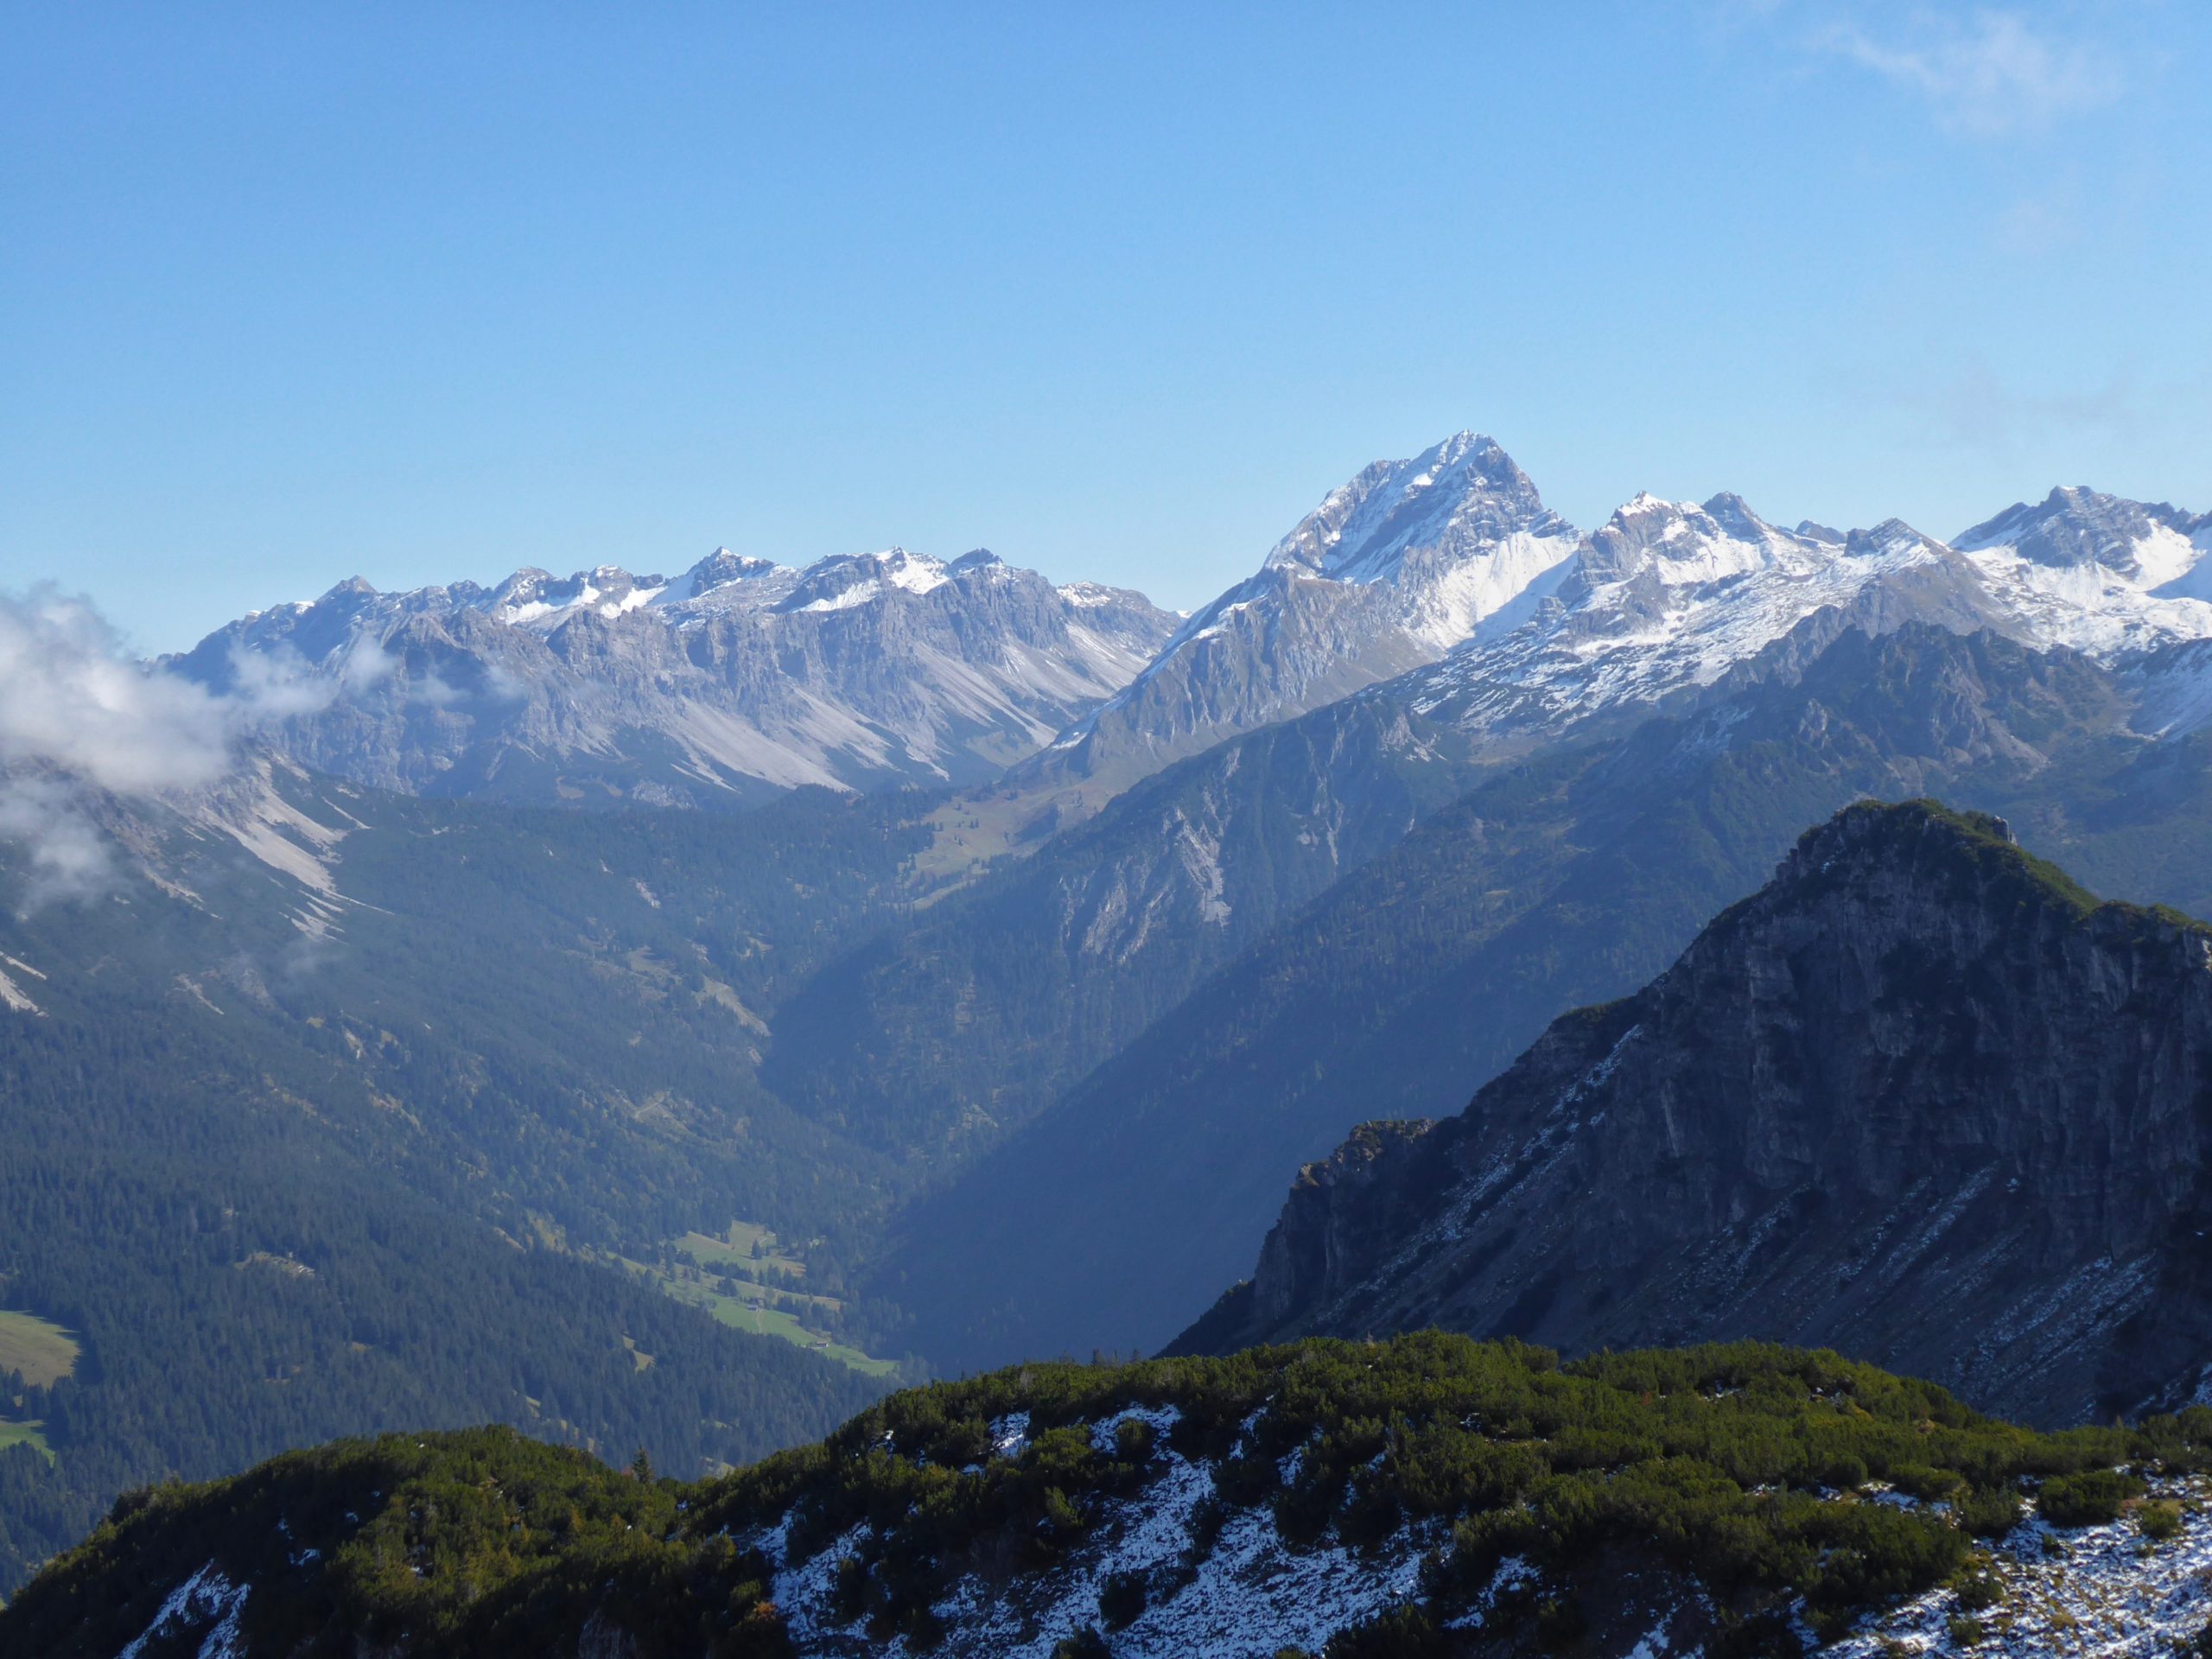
[{"x": 1921, "y": 1098}]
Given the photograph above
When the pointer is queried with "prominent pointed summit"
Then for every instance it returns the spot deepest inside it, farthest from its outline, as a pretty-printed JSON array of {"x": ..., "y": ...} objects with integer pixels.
[
  {"x": 1457, "y": 498},
  {"x": 1392, "y": 570}
]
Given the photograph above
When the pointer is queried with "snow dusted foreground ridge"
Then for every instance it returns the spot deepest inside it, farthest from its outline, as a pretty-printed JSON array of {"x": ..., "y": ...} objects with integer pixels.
[{"x": 1428, "y": 1496}]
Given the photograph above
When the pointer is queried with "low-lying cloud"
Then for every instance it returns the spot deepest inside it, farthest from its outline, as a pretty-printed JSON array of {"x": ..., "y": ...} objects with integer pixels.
[
  {"x": 80, "y": 718},
  {"x": 71, "y": 699}
]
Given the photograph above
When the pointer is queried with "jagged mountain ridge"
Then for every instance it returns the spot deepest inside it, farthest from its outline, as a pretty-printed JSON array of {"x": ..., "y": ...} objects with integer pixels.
[
  {"x": 1445, "y": 582},
  {"x": 1922, "y": 1098},
  {"x": 1444, "y": 575},
  {"x": 737, "y": 677},
  {"x": 1667, "y": 598}
]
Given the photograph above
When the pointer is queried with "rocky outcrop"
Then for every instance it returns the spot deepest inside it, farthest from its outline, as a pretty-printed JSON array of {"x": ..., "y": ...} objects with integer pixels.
[{"x": 1922, "y": 1099}]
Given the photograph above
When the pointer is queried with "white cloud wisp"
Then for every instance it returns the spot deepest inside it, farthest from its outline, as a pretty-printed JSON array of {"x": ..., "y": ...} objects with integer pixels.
[{"x": 1991, "y": 77}]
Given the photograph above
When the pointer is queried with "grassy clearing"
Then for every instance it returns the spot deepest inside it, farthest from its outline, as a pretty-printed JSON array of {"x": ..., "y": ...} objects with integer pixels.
[
  {"x": 761, "y": 1320},
  {"x": 734, "y": 1251},
  {"x": 765, "y": 1303},
  {"x": 25, "y": 1434},
  {"x": 40, "y": 1349}
]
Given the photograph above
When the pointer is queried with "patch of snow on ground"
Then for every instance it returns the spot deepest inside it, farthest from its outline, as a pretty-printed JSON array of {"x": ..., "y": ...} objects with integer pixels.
[
  {"x": 802, "y": 1590},
  {"x": 1251, "y": 1595},
  {"x": 2111, "y": 1594},
  {"x": 205, "y": 1595},
  {"x": 13, "y": 996}
]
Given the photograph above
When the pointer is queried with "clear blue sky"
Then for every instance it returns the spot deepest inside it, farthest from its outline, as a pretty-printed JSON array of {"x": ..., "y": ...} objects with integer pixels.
[{"x": 424, "y": 292}]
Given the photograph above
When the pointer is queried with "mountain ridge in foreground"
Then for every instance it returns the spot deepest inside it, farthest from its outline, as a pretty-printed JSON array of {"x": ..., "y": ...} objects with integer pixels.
[
  {"x": 1922, "y": 1098},
  {"x": 1428, "y": 1495}
]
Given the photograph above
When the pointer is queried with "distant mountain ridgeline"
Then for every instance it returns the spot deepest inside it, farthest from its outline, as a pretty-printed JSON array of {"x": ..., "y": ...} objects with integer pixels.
[{"x": 739, "y": 677}]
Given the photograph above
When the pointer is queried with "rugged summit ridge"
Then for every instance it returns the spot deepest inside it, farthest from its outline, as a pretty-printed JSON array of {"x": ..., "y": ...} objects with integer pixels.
[
  {"x": 1921, "y": 1098},
  {"x": 737, "y": 676}
]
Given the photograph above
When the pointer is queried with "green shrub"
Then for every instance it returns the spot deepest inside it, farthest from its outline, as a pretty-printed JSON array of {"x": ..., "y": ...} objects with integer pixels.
[
  {"x": 2160, "y": 1522},
  {"x": 1062, "y": 1521},
  {"x": 1980, "y": 1591},
  {"x": 1965, "y": 1632},
  {"x": 1085, "y": 1643},
  {"x": 1246, "y": 1480},
  {"x": 2089, "y": 1499},
  {"x": 1768, "y": 1636},
  {"x": 1404, "y": 1632},
  {"x": 1990, "y": 1512}
]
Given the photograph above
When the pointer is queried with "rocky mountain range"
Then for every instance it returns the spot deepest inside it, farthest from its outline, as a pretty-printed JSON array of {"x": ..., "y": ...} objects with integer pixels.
[
  {"x": 1573, "y": 876},
  {"x": 739, "y": 677},
  {"x": 1921, "y": 1098},
  {"x": 1444, "y": 575},
  {"x": 1391, "y": 571}
]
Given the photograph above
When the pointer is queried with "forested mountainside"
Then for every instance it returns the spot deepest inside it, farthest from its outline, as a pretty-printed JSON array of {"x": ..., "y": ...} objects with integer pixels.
[
  {"x": 1428, "y": 1496},
  {"x": 1922, "y": 1098},
  {"x": 737, "y": 678},
  {"x": 288, "y": 1161},
  {"x": 1573, "y": 877}
]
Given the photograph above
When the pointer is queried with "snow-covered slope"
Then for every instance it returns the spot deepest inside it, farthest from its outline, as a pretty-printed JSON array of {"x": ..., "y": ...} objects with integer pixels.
[
  {"x": 739, "y": 674},
  {"x": 1667, "y": 597}
]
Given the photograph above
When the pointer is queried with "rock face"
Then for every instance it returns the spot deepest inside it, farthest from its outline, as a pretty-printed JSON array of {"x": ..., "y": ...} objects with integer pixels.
[
  {"x": 739, "y": 676},
  {"x": 1922, "y": 1099}
]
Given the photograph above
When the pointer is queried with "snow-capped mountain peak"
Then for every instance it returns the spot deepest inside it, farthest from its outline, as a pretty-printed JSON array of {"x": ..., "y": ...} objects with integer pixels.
[
  {"x": 1390, "y": 571},
  {"x": 1457, "y": 498},
  {"x": 719, "y": 570},
  {"x": 2149, "y": 545},
  {"x": 534, "y": 598},
  {"x": 1663, "y": 544}
]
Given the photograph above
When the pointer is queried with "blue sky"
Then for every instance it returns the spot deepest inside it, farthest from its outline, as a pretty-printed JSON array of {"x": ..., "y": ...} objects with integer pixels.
[{"x": 290, "y": 293}]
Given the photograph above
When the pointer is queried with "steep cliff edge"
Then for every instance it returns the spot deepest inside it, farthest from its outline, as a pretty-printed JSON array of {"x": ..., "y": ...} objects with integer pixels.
[{"x": 1922, "y": 1098}]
